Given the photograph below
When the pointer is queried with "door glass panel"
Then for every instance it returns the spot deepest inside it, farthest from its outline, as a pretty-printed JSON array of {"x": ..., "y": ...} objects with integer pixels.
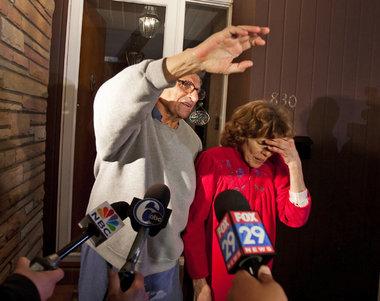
[
  {"x": 134, "y": 32},
  {"x": 111, "y": 41},
  {"x": 201, "y": 21}
]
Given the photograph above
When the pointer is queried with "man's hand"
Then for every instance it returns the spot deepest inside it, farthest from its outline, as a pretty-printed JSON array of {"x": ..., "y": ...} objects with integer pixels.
[
  {"x": 215, "y": 55},
  {"x": 44, "y": 281},
  {"x": 135, "y": 293},
  {"x": 218, "y": 51},
  {"x": 248, "y": 288},
  {"x": 202, "y": 291}
]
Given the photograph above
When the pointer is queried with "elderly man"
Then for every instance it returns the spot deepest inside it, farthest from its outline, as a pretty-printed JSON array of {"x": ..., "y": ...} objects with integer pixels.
[{"x": 142, "y": 139}]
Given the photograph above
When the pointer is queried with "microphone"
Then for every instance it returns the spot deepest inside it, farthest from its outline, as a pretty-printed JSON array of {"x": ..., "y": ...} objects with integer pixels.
[
  {"x": 99, "y": 225},
  {"x": 148, "y": 216},
  {"x": 241, "y": 234}
]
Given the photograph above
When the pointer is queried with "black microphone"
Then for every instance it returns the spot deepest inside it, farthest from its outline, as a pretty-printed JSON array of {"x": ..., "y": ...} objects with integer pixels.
[
  {"x": 241, "y": 234},
  {"x": 148, "y": 216},
  {"x": 99, "y": 225}
]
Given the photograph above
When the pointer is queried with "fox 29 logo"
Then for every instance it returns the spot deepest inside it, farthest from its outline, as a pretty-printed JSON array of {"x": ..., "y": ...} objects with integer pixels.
[{"x": 149, "y": 212}]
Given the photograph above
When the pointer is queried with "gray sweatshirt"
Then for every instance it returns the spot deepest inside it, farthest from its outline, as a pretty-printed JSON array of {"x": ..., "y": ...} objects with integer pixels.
[{"x": 135, "y": 151}]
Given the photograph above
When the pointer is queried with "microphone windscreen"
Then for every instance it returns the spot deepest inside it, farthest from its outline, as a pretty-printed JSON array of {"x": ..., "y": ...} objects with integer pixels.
[
  {"x": 121, "y": 209},
  {"x": 229, "y": 200},
  {"x": 160, "y": 192}
]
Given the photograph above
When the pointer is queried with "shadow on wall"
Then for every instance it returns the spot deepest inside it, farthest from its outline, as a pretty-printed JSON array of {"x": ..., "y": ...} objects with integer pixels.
[{"x": 335, "y": 256}]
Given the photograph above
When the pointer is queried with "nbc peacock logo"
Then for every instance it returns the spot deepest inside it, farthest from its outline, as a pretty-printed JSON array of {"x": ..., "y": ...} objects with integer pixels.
[{"x": 110, "y": 218}]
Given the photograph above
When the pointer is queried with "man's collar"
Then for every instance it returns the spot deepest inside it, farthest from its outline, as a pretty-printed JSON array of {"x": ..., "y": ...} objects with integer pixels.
[{"x": 156, "y": 114}]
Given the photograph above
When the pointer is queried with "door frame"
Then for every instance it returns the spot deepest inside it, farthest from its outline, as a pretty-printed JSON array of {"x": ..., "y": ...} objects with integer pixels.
[{"x": 173, "y": 43}]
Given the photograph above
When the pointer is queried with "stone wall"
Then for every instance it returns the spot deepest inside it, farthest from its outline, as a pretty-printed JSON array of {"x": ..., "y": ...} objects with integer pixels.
[{"x": 25, "y": 37}]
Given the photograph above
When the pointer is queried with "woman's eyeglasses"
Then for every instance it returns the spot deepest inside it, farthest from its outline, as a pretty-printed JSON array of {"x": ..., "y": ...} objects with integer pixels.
[{"x": 189, "y": 87}]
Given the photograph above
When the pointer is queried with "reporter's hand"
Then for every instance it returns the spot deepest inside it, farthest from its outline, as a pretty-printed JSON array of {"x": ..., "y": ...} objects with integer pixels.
[
  {"x": 44, "y": 281},
  {"x": 202, "y": 291},
  {"x": 135, "y": 293},
  {"x": 248, "y": 288}
]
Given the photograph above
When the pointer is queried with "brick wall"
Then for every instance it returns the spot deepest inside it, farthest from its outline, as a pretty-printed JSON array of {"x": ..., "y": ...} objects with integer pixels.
[{"x": 25, "y": 36}]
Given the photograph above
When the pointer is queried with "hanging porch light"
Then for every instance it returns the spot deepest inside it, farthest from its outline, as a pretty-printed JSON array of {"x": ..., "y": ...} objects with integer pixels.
[{"x": 149, "y": 22}]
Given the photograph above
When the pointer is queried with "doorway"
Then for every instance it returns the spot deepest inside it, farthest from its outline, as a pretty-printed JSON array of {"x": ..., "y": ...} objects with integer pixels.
[{"x": 110, "y": 41}]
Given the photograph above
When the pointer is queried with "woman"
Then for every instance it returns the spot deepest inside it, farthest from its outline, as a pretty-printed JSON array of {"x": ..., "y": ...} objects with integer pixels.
[{"x": 258, "y": 158}]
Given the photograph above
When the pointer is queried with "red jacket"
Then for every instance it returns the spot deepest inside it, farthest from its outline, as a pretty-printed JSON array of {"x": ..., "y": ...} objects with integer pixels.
[{"x": 267, "y": 190}]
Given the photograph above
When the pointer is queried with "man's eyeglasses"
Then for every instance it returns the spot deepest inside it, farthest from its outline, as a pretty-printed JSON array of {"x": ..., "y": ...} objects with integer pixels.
[{"x": 189, "y": 87}]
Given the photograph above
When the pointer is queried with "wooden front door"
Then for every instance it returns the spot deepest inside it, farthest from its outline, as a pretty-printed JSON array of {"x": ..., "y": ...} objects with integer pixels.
[{"x": 91, "y": 75}]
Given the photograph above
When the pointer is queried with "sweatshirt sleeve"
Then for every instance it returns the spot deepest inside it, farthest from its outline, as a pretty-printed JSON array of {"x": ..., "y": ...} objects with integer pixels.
[
  {"x": 123, "y": 103},
  {"x": 17, "y": 288},
  {"x": 195, "y": 236},
  {"x": 290, "y": 214}
]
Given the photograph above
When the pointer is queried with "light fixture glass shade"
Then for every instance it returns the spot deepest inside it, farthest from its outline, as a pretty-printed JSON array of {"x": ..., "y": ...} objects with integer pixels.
[{"x": 149, "y": 22}]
